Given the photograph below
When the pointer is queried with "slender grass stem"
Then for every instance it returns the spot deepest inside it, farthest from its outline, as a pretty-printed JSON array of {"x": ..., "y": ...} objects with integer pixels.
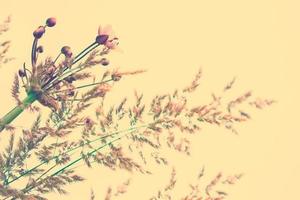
[
  {"x": 56, "y": 58},
  {"x": 45, "y": 172}
]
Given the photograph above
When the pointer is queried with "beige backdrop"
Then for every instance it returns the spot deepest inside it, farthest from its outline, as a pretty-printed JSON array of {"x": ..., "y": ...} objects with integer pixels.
[{"x": 257, "y": 41}]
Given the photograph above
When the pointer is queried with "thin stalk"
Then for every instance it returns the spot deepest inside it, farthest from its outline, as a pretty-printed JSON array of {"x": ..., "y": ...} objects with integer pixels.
[
  {"x": 83, "y": 86},
  {"x": 15, "y": 112},
  {"x": 83, "y": 53},
  {"x": 43, "y": 174},
  {"x": 56, "y": 58}
]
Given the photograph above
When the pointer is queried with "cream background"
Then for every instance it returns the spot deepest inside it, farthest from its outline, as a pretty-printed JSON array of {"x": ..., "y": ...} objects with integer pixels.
[{"x": 257, "y": 41}]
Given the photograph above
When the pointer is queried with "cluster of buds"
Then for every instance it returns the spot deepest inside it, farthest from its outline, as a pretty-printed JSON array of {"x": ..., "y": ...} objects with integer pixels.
[
  {"x": 39, "y": 32},
  {"x": 54, "y": 80}
]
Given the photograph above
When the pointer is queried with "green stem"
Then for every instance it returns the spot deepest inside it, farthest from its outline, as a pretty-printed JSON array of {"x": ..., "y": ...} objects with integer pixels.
[{"x": 15, "y": 112}]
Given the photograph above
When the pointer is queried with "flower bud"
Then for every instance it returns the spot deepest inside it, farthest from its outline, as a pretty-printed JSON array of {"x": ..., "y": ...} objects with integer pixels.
[
  {"x": 40, "y": 49},
  {"x": 102, "y": 39},
  {"x": 38, "y": 33},
  {"x": 21, "y": 73},
  {"x": 104, "y": 61},
  {"x": 51, "y": 22},
  {"x": 66, "y": 50}
]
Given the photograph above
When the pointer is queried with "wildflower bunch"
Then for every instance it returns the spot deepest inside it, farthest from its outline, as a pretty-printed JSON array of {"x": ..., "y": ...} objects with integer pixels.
[{"x": 52, "y": 81}]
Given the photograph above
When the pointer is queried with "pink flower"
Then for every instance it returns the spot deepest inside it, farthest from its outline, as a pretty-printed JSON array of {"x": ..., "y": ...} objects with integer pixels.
[{"x": 107, "y": 37}]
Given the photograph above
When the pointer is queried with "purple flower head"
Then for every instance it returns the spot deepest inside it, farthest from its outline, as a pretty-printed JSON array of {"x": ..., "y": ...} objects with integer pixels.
[{"x": 102, "y": 39}]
